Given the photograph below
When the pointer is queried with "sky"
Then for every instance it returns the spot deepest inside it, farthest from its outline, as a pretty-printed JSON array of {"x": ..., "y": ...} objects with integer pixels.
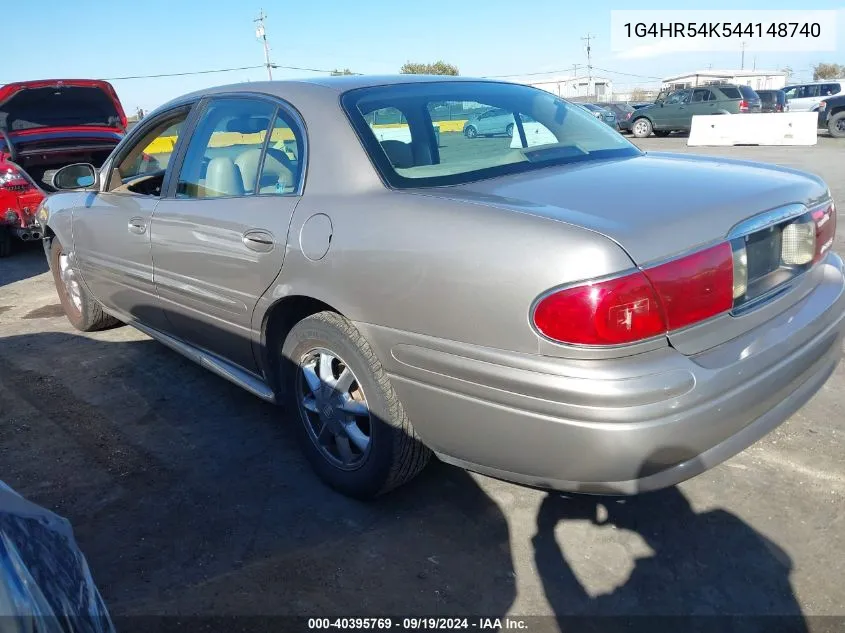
[{"x": 104, "y": 39}]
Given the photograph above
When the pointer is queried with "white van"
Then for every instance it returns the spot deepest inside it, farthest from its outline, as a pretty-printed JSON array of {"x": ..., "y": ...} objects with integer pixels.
[{"x": 806, "y": 97}]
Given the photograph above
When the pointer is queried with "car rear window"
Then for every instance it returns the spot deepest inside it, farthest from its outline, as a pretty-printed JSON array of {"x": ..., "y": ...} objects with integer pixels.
[
  {"x": 58, "y": 106},
  {"x": 766, "y": 97},
  {"x": 748, "y": 93},
  {"x": 444, "y": 139},
  {"x": 730, "y": 92}
]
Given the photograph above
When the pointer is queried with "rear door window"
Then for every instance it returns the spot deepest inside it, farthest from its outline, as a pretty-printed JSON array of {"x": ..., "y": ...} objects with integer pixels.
[
  {"x": 224, "y": 154},
  {"x": 730, "y": 92},
  {"x": 830, "y": 89}
]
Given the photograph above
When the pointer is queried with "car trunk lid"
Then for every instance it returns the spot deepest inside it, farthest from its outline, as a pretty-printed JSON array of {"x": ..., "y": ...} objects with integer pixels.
[{"x": 659, "y": 207}]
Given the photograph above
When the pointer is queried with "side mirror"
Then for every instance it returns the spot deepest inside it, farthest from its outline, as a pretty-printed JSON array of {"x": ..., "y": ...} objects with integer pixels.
[{"x": 76, "y": 176}]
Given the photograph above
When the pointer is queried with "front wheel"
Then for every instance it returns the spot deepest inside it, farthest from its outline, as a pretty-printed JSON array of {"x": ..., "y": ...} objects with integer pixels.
[
  {"x": 470, "y": 132},
  {"x": 836, "y": 125},
  {"x": 351, "y": 425},
  {"x": 641, "y": 128},
  {"x": 81, "y": 309}
]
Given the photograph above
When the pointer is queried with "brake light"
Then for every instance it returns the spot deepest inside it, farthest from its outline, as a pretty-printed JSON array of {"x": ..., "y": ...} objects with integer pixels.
[
  {"x": 641, "y": 305},
  {"x": 825, "y": 220},
  {"x": 695, "y": 287},
  {"x": 613, "y": 312},
  {"x": 743, "y": 106},
  {"x": 12, "y": 179}
]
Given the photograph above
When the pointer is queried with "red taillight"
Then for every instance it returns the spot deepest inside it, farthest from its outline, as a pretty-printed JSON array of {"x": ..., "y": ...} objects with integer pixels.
[
  {"x": 743, "y": 106},
  {"x": 825, "y": 220},
  {"x": 695, "y": 287},
  {"x": 12, "y": 179},
  {"x": 612, "y": 312},
  {"x": 643, "y": 304}
]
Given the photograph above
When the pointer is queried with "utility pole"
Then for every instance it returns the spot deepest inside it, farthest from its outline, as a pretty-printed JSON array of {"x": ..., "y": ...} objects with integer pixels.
[
  {"x": 261, "y": 32},
  {"x": 589, "y": 62},
  {"x": 742, "y": 46}
]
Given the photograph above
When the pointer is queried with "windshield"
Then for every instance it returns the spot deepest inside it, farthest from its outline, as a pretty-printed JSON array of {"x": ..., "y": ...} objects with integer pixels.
[
  {"x": 444, "y": 133},
  {"x": 61, "y": 106}
]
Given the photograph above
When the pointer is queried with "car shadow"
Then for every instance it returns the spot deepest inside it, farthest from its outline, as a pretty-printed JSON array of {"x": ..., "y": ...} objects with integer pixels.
[
  {"x": 190, "y": 496},
  {"x": 707, "y": 571},
  {"x": 26, "y": 260}
]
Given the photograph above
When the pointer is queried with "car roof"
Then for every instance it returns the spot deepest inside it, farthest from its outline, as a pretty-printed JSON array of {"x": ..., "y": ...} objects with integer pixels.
[
  {"x": 815, "y": 82},
  {"x": 340, "y": 84}
]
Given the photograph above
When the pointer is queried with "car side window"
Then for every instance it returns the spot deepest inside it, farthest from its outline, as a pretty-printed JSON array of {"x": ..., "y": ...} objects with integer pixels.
[
  {"x": 701, "y": 94},
  {"x": 281, "y": 167},
  {"x": 224, "y": 153},
  {"x": 141, "y": 168}
]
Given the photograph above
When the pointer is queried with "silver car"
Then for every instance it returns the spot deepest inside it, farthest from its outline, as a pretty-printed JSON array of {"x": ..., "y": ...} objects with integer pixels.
[
  {"x": 490, "y": 122},
  {"x": 539, "y": 310}
]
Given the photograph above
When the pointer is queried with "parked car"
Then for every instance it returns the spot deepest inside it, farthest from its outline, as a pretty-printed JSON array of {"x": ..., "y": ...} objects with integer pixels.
[
  {"x": 489, "y": 307},
  {"x": 45, "y": 125},
  {"x": 675, "y": 112},
  {"x": 45, "y": 582},
  {"x": 601, "y": 113},
  {"x": 488, "y": 123},
  {"x": 623, "y": 112},
  {"x": 773, "y": 100},
  {"x": 832, "y": 115},
  {"x": 807, "y": 96}
]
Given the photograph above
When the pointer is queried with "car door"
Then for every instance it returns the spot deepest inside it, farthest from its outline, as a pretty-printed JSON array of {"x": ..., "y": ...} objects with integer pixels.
[
  {"x": 703, "y": 103},
  {"x": 219, "y": 236},
  {"x": 673, "y": 112},
  {"x": 111, "y": 227},
  {"x": 802, "y": 98},
  {"x": 484, "y": 122}
]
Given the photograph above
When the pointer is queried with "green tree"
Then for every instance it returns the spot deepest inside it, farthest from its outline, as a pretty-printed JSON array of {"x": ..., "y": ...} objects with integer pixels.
[
  {"x": 345, "y": 71},
  {"x": 828, "y": 71},
  {"x": 437, "y": 68}
]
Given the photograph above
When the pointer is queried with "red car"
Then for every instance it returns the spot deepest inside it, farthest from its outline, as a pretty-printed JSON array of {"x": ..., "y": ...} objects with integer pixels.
[{"x": 45, "y": 125}]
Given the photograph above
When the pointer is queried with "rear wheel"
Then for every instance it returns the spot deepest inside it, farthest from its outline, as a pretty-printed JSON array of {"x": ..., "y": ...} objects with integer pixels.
[
  {"x": 82, "y": 310},
  {"x": 641, "y": 128},
  {"x": 352, "y": 427},
  {"x": 836, "y": 125},
  {"x": 509, "y": 129}
]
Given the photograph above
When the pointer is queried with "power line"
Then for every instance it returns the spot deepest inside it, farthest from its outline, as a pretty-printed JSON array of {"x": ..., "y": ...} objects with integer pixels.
[
  {"x": 193, "y": 72},
  {"x": 566, "y": 70},
  {"x": 617, "y": 72}
]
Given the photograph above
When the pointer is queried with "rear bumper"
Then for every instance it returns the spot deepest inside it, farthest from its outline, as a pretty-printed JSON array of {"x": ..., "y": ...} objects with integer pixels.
[{"x": 615, "y": 426}]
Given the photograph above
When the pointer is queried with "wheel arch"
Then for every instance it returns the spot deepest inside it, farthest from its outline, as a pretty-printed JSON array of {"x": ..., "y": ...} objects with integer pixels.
[{"x": 278, "y": 320}]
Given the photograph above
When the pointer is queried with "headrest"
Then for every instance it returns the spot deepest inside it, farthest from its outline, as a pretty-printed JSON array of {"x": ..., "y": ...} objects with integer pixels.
[{"x": 248, "y": 125}]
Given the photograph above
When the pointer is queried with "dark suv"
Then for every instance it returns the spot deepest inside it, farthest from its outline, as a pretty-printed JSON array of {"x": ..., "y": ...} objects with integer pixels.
[
  {"x": 832, "y": 115},
  {"x": 773, "y": 100},
  {"x": 675, "y": 112}
]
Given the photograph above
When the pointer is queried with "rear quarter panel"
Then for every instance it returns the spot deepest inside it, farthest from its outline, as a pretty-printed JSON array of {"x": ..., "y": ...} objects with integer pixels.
[{"x": 453, "y": 270}]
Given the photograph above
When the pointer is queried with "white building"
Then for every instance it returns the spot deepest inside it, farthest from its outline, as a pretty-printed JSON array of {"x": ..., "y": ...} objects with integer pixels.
[
  {"x": 568, "y": 87},
  {"x": 757, "y": 79}
]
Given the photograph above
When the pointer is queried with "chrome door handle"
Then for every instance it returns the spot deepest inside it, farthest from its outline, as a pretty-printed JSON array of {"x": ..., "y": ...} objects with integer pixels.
[
  {"x": 259, "y": 241},
  {"x": 137, "y": 225}
]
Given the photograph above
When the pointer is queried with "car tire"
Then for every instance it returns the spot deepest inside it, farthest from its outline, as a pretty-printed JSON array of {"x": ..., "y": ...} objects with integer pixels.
[
  {"x": 332, "y": 437},
  {"x": 470, "y": 131},
  {"x": 836, "y": 125},
  {"x": 509, "y": 130},
  {"x": 5, "y": 242},
  {"x": 82, "y": 310},
  {"x": 641, "y": 128},
  {"x": 662, "y": 133}
]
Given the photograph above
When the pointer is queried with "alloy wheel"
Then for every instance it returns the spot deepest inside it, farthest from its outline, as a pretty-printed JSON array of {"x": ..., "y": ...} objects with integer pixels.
[
  {"x": 70, "y": 281},
  {"x": 334, "y": 409}
]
